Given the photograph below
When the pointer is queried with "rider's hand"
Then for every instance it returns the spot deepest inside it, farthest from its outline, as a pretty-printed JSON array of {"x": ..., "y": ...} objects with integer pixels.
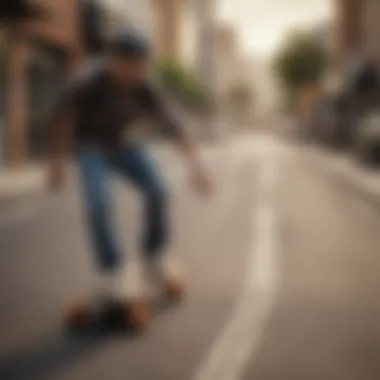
[
  {"x": 56, "y": 175},
  {"x": 201, "y": 180}
]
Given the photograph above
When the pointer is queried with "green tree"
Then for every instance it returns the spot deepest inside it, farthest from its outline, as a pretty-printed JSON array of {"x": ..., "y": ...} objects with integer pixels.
[
  {"x": 301, "y": 61},
  {"x": 183, "y": 83}
]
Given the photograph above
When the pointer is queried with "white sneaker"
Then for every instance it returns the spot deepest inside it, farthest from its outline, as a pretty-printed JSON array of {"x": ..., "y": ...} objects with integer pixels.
[
  {"x": 165, "y": 276},
  {"x": 130, "y": 282}
]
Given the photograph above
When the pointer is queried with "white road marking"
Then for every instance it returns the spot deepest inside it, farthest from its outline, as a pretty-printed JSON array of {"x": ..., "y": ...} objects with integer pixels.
[{"x": 241, "y": 336}]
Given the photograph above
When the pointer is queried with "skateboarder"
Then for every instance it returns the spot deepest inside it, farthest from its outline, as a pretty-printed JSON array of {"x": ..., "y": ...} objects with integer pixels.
[{"x": 105, "y": 104}]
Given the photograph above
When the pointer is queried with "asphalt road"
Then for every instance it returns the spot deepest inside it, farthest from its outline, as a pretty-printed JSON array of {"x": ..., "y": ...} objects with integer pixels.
[{"x": 282, "y": 264}]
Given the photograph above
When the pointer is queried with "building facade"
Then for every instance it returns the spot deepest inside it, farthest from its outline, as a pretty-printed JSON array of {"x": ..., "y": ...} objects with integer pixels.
[
  {"x": 349, "y": 26},
  {"x": 3, "y": 93},
  {"x": 176, "y": 31},
  {"x": 358, "y": 30},
  {"x": 122, "y": 14},
  {"x": 205, "y": 13},
  {"x": 167, "y": 18},
  {"x": 227, "y": 61},
  {"x": 371, "y": 29},
  {"x": 189, "y": 36},
  {"x": 39, "y": 55}
]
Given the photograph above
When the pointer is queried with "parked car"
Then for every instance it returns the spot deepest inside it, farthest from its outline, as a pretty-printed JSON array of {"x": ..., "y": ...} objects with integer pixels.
[
  {"x": 365, "y": 91},
  {"x": 340, "y": 119},
  {"x": 330, "y": 123},
  {"x": 367, "y": 139}
]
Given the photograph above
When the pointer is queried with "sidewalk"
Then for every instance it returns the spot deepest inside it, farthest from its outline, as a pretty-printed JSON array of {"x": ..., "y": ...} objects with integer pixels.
[
  {"x": 349, "y": 172},
  {"x": 15, "y": 183},
  {"x": 30, "y": 180}
]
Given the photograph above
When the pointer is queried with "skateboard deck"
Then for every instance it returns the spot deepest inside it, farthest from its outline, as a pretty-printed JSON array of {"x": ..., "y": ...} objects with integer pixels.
[
  {"x": 136, "y": 315},
  {"x": 115, "y": 315}
]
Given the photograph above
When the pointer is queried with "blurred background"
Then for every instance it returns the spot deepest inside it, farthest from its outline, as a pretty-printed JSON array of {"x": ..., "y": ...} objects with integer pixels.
[
  {"x": 239, "y": 63},
  {"x": 297, "y": 77}
]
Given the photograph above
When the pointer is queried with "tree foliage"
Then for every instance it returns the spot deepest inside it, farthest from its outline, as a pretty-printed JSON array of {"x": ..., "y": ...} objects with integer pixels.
[
  {"x": 301, "y": 61},
  {"x": 183, "y": 83}
]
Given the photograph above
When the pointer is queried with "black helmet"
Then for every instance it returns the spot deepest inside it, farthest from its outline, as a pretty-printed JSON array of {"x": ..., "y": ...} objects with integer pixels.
[{"x": 129, "y": 44}]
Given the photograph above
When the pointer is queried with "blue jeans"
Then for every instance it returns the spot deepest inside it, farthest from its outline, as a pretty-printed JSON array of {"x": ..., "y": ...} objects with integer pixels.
[{"x": 132, "y": 163}]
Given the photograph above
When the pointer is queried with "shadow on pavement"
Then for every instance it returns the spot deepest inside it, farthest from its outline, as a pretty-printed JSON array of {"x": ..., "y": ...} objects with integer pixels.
[
  {"x": 58, "y": 351},
  {"x": 50, "y": 355}
]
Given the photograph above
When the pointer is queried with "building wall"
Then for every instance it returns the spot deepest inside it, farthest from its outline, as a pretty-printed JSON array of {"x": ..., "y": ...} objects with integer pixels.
[
  {"x": 349, "y": 21},
  {"x": 206, "y": 11},
  {"x": 371, "y": 29},
  {"x": 130, "y": 13},
  {"x": 59, "y": 30},
  {"x": 176, "y": 30},
  {"x": 140, "y": 15},
  {"x": 226, "y": 60},
  {"x": 61, "y": 27},
  {"x": 3, "y": 92},
  {"x": 167, "y": 27},
  {"x": 188, "y": 39},
  {"x": 358, "y": 31}
]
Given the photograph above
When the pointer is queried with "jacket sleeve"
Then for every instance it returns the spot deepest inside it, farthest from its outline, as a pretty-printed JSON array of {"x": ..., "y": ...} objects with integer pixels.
[
  {"x": 69, "y": 94},
  {"x": 64, "y": 102},
  {"x": 165, "y": 111}
]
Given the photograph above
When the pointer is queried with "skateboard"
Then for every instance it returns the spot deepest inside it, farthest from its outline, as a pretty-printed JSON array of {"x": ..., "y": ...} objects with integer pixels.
[
  {"x": 118, "y": 315},
  {"x": 107, "y": 313}
]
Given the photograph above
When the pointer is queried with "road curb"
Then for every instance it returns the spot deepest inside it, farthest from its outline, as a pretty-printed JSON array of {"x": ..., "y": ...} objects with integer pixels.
[{"x": 18, "y": 183}]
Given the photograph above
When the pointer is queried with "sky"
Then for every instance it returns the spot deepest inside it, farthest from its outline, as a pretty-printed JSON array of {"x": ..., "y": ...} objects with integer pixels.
[{"x": 263, "y": 23}]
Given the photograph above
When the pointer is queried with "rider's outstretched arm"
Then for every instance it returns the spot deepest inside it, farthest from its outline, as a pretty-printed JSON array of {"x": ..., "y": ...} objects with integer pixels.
[
  {"x": 173, "y": 125},
  {"x": 60, "y": 122}
]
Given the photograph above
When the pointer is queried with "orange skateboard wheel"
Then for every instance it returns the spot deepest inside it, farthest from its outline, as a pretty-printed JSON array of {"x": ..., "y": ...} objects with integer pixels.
[
  {"x": 138, "y": 315},
  {"x": 175, "y": 289},
  {"x": 76, "y": 316}
]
